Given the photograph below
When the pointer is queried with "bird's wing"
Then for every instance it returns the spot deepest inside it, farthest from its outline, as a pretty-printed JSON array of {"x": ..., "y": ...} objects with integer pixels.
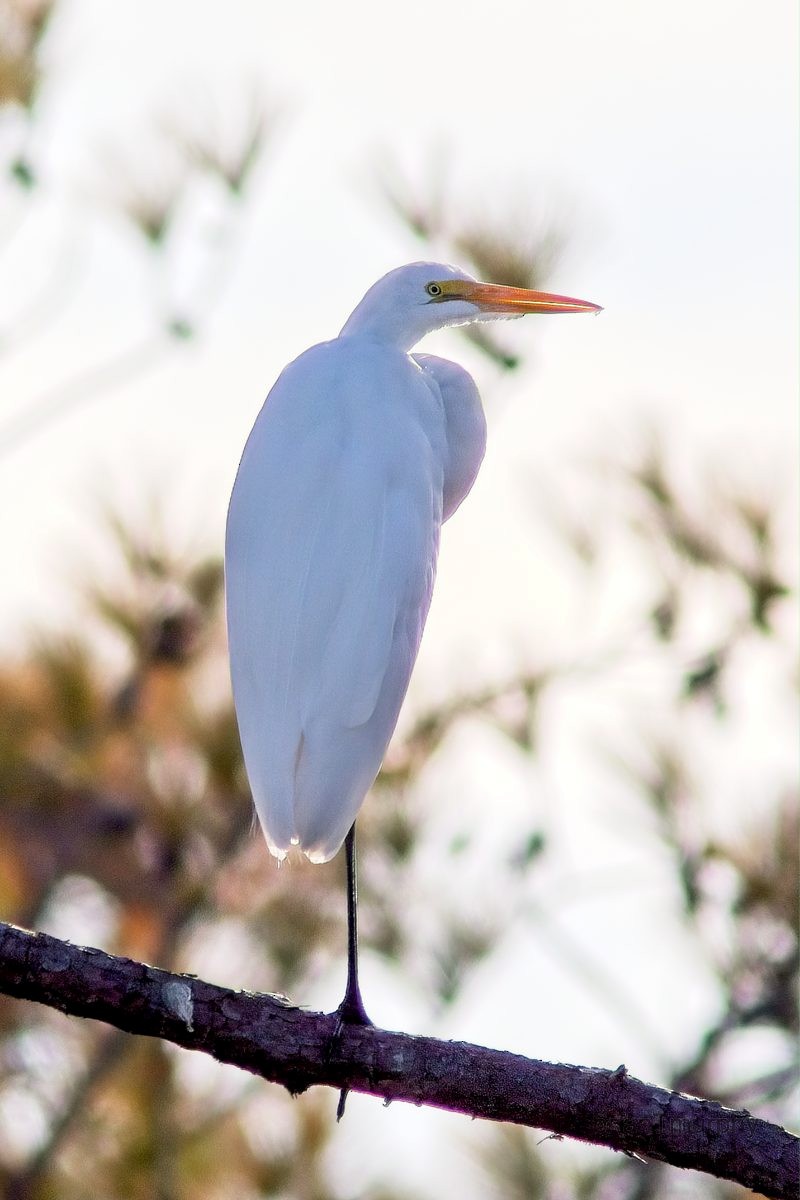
[
  {"x": 330, "y": 556},
  {"x": 465, "y": 426}
]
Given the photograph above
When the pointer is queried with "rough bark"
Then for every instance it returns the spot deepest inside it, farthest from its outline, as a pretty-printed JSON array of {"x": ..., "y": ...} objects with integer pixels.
[{"x": 268, "y": 1036}]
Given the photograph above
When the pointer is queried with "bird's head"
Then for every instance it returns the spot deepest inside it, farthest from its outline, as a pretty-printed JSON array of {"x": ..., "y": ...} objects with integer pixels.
[{"x": 415, "y": 299}]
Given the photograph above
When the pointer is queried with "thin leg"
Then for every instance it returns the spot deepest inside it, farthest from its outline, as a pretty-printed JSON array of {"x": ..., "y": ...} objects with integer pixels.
[{"x": 351, "y": 1011}]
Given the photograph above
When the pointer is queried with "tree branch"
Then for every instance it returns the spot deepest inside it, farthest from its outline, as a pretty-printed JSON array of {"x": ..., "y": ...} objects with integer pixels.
[{"x": 268, "y": 1036}]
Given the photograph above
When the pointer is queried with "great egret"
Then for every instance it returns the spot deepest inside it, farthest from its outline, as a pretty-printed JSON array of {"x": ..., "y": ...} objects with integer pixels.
[{"x": 360, "y": 453}]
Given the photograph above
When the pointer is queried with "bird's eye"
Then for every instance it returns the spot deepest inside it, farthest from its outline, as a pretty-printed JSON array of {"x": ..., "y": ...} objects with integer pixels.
[{"x": 433, "y": 289}]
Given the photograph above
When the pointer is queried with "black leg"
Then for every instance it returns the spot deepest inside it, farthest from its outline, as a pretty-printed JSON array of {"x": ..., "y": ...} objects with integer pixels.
[{"x": 351, "y": 1011}]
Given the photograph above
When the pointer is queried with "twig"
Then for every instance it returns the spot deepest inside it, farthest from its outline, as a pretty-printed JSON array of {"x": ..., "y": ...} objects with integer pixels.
[
  {"x": 570, "y": 953},
  {"x": 105, "y": 1059},
  {"x": 83, "y": 387},
  {"x": 45, "y": 305},
  {"x": 269, "y": 1037}
]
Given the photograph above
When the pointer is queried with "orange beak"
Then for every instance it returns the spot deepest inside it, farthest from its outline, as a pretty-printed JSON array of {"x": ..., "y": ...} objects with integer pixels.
[{"x": 492, "y": 298}]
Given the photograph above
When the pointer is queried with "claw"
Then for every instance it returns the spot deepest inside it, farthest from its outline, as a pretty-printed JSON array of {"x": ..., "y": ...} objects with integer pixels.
[{"x": 350, "y": 1012}]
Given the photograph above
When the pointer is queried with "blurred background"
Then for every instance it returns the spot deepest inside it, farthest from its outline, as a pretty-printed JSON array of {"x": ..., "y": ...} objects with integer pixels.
[{"x": 583, "y": 843}]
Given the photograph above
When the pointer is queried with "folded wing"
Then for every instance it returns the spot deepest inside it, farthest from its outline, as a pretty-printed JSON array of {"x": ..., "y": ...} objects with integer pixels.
[{"x": 330, "y": 559}]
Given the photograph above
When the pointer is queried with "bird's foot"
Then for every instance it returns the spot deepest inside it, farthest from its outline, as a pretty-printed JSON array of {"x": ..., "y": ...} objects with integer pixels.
[{"x": 350, "y": 1012}]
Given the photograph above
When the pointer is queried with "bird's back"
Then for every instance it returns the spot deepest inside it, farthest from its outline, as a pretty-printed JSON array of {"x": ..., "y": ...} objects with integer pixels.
[{"x": 330, "y": 558}]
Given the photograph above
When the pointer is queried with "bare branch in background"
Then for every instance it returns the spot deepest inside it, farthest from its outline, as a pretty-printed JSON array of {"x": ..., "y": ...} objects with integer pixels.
[
  {"x": 151, "y": 197},
  {"x": 87, "y": 386},
  {"x": 229, "y": 154},
  {"x": 107, "y": 1055},
  {"x": 148, "y": 197},
  {"x": 47, "y": 306}
]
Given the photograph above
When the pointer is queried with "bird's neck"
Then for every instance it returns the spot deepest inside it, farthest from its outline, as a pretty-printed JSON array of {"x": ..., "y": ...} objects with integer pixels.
[{"x": 385, "y": 324}]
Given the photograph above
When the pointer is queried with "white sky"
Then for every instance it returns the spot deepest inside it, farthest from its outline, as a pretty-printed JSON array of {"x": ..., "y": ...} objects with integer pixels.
[{"x": 668, "y": 134}]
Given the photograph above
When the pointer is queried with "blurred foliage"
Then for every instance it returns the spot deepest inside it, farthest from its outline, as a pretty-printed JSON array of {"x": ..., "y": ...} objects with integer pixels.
[
  {"x": 125, "y": 812},
  {"x": 180, "y": 185},
  {"x": 125, "y": 807},
  {"x": 23, "y": 24},
  {"x": 522, "y": 249}
]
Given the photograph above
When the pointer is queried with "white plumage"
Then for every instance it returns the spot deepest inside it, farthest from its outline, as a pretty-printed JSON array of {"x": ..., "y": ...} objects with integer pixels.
[{"x": 359, "y": 454}]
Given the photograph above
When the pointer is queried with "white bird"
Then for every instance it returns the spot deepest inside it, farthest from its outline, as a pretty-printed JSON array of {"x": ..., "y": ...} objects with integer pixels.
[{"x": 360, "y": 453}]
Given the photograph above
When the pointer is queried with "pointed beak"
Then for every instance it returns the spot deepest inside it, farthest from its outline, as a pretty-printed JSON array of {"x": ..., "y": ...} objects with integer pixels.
[{"x": 492, "y": 298}]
